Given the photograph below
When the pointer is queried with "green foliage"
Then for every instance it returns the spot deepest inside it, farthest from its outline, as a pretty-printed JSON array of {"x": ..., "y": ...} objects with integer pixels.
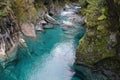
[
  {"x": 24, "y": 10},
  {"x": 100, "y": 28},
  {"x": 102, "y": 17},
  {"x": 103, "y": 10},
  {"x": 94, "y": 12},
  {"x": 5, "y": 8},
  {"x": 1, "y": 13}
]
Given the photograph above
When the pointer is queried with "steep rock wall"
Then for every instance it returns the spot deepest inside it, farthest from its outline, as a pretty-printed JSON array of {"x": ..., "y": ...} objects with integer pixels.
[
  {"x": 100, "y": 45},
  {"x": 9, "y": 32}
]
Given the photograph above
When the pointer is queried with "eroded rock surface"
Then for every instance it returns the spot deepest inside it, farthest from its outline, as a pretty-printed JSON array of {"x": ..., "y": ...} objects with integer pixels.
[
  {"x": 28, "y": 29},
  {"x": 9, "y": 36}
]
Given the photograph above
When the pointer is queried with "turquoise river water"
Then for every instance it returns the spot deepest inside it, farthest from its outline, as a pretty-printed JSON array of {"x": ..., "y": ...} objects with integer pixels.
[{"x": 50, "y": 56}]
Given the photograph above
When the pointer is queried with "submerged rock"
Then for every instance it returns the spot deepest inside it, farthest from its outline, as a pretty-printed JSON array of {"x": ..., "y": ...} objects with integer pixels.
[
  {"x": 22, "y": 42},
  {"x": 110, "y": 67},
  {"x": 87, "y": 73},
  {"x": 48, "y": 26}
]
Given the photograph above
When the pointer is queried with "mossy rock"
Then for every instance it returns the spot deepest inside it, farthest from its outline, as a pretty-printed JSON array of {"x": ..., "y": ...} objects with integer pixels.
[{"x": 94, "y": 47}]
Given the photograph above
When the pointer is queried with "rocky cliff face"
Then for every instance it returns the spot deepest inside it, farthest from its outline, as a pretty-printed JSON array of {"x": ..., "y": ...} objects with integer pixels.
[
  {"x": 100, "y": 44},
  {"x": 9, "y": 32}
]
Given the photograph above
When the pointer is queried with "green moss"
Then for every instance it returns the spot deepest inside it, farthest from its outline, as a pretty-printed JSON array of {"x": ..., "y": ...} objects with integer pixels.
[
  {"x": 1, "y": 13},
  {"x": 93, "y": 47},
  {"x": 102, "y": 17},
  {"x": 100, "y": 28},
  {"x": 96, "y": 44},
  {"x": 104, "y": 10},
  {"x": 25, "y": 11}
]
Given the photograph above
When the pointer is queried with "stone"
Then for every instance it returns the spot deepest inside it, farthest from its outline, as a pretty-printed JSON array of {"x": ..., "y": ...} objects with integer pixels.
[
  {"x": 28, "y": 29},
  {"x": 49, "y": 19},
  {"x": 2, "y": 52},
  {"x": 22, "y": 42},
  {"x": 2, "y": 56},
  {"x": 53, "y": 9},
  {"x": 40, "y": 24},
  {"x": 39, "y": 27},
  {"x": 41, "y": 13},
  {"x": 113, "y": 37}
]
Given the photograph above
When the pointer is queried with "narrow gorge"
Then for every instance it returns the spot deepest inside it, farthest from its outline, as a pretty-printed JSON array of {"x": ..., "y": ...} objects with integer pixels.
[{"x": 59, "y": 40}]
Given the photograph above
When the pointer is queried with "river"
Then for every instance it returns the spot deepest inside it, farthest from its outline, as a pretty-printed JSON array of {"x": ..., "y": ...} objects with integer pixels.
[{"x": 50, "y": 56}]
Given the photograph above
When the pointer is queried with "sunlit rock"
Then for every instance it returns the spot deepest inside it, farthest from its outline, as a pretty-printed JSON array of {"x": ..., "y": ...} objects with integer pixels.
[
  {"x": 2, "y": 55},
  {"x": 67, "y": 6},
  {"x": 22, "y": 42},
  {"x": 28, "y": 29},
  {"x": 40, "y": 24},
  {"x": 2, "y": 52},
  {"x": 49, "y": 19}
]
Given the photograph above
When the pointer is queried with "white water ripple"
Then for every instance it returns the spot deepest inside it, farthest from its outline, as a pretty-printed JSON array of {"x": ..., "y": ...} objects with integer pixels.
[{"x": 58, "y": 67}]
